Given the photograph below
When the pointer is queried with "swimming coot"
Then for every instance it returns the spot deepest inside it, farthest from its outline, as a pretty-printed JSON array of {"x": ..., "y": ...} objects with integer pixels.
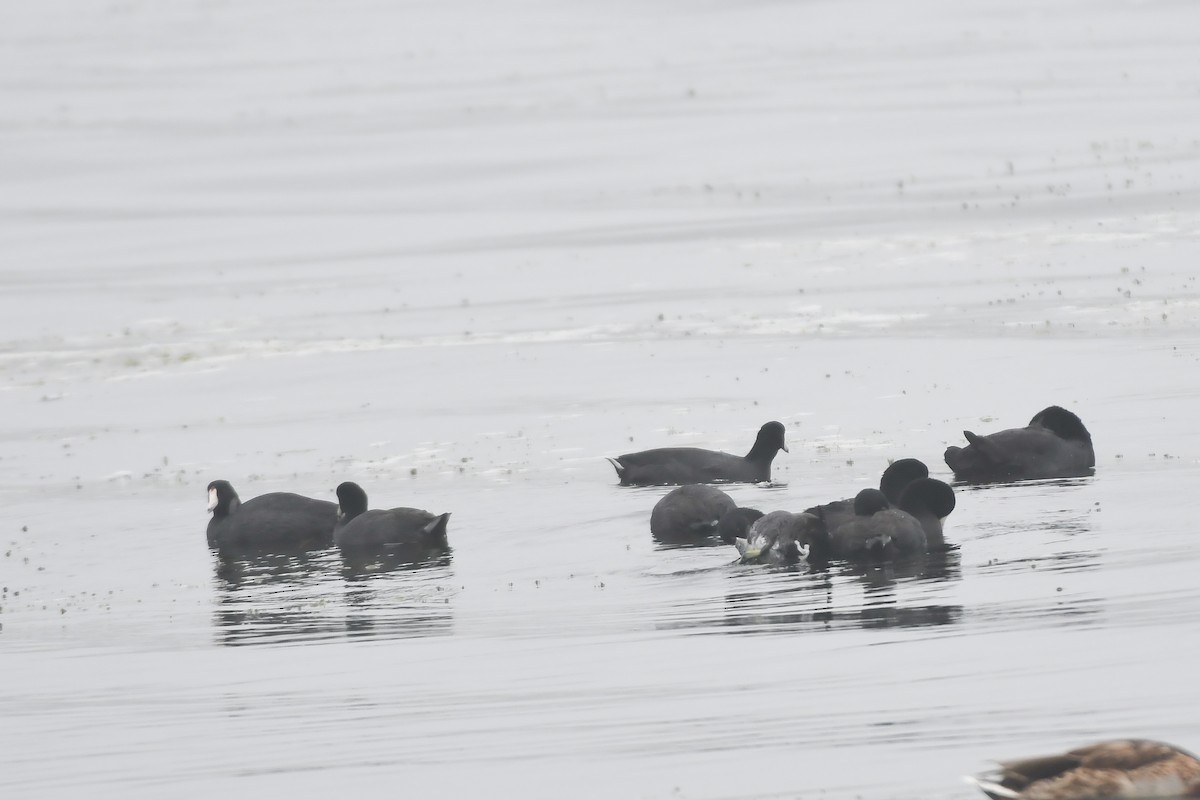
[
  {"x": 880, "y": 530},
  {"x": 877, "y": 531},
  {"x": 1055, "y": 444},
  {"x": 689, "y": 512},
  {"x": 359, "y": 529},
  {"x": 668, "y": 466},
  {"x": 275, "y": 519}
]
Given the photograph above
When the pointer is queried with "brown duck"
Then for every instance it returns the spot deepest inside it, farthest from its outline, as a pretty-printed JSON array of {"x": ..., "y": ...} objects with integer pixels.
[{"x": 1123, "y": 768}]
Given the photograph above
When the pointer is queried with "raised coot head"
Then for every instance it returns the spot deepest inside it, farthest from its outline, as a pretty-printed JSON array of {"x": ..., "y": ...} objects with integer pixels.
[
  {"x": 222, "y": 499},
  {"x": 901, "y": 473},
  {"x": 352, "y": 501},
  {"x": 735, "y": 524},
  {"x": 1062, "y": 423},
  {"x": 768, "y": 443},
  {"x": 870, "y": 501},
  {"x": 928, "y": 495}
]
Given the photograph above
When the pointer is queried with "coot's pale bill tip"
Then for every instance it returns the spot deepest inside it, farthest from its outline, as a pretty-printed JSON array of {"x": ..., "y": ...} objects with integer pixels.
[
  {"x": 749, "y": 551},
  {"x": 212, "y": 499}
]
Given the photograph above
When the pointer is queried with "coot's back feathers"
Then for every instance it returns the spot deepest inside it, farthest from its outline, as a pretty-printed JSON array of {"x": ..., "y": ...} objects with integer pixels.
[
  {"x": 1055, "y": 444},
  {"x": 689, "y": 512},
  {"x": 877, "y": 531},
  {"x": 359, "y": 529},
  {"x": 782, "y": 537}
]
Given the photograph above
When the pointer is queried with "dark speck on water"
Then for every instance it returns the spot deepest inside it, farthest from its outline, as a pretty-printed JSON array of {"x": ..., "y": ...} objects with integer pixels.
[{"x": 204, "y": 213}]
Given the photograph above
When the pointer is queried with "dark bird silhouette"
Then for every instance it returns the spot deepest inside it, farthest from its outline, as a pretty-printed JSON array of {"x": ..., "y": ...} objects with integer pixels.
[
  {"x": 1055, "y": 444},
  {"x": 668, "y": 466}
]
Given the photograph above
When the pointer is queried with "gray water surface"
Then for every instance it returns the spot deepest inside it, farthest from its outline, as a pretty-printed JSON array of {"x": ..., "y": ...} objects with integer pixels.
[{"x": 459, "y": 253}]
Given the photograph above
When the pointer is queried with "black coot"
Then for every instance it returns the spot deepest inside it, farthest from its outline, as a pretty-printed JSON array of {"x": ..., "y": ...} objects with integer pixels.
[
  {"x": 688, "y": 513},
  {"x": 274, "y": 520},
  {"x": 360, "y": 529},
  {"x": 1055, "y": 444},
  {"x": 668, "y": 466}
]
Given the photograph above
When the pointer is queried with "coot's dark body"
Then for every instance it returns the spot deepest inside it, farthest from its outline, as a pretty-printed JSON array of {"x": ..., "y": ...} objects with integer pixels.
[
  {"x": 1055, "y": 444},
  {"x": 689, "y": 513},
  {"x": 360, "y": 529},
  {"x": 669, "y": 466},
  {"x": 274, "y": 520}
]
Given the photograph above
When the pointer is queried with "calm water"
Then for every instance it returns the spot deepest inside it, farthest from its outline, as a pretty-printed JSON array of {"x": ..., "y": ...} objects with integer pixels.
[{"x": 460, "y": 252}]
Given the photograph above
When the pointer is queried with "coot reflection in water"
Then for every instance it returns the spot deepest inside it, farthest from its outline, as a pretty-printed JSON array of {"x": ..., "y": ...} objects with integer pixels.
[
  {"x": 398, "y": 594},
  {"x": 832, "y": 599},
  {"x": 711, "y": 541},
  {"x": 274, "y": 598},
  {"x": 1060, "y": 538}
]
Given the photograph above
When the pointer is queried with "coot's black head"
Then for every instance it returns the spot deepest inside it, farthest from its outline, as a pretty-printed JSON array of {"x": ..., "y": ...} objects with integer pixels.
[
  {"x": 901, "y": 473},
  {"x": 735, "y": 524},
  {"x": 928, "y": 495},
  {"x": 1062, "y": 423},
  {"x": 869, "y": 501},
  {"x": 769, "y": 442},
  {"x": 352, "y": 501},
  {"x": 222, "y": 499}
]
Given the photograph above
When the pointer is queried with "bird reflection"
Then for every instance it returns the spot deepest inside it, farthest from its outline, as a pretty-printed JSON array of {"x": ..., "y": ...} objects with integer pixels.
[
  {"x": 941, "y": 565},
  {"x": 398, "y": 593},
  {"x": 359, "y": 566},
  {"x": 268, "y": 598},
  {"x": 798, "y": 597},
  {"x": 794, "y": 604},
  {"x": 682, "y": 543}
]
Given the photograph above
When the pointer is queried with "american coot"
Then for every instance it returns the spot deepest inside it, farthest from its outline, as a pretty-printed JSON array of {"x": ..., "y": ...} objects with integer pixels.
[
  {"x": 1127, "y": 768},
  {"x": 1055, "y": 444},
  {"x": 899, "y": 474},
  {"x": 360, "y": 529},
  {"x": 668, "y": 466},
  {"x": 275, "y": 519},
  {"x": 782, "y": 537},
  {"x": 879, "y": 530},
  {"x": 688, "y": 513}
]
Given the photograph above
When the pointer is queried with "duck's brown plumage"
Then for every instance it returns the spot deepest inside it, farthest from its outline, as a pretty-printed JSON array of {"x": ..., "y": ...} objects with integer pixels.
[{"x": 1123, "y": 768}]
